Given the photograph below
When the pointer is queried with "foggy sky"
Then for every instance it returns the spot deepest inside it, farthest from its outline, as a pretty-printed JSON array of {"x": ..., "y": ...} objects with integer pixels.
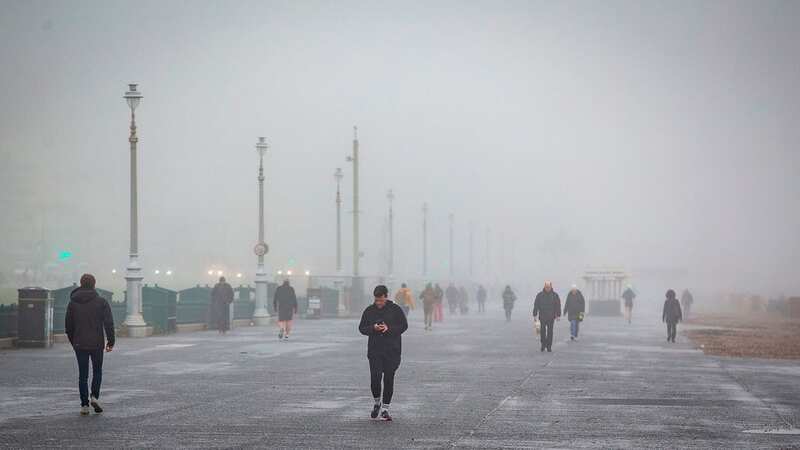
[{"x": 642, "y": 135}]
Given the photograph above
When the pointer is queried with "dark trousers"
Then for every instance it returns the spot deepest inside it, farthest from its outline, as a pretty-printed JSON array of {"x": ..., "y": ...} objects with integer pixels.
[
  {"x": 672, "y": 329},
  {"x": 83, "y": 373},
  {"x": 508, "y": 314},
  {"x": 382, "y": 368},
  {"x": 428, "y": 316},
  {"x": 546, "y": 334},
  {"x": 481, "y": 306}
]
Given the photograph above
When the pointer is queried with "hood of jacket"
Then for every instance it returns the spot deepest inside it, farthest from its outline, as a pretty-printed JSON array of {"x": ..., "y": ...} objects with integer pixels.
[{"x": 83, "y": 295}]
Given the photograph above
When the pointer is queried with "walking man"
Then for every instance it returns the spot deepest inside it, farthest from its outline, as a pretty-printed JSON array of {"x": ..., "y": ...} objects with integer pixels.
[
  {"x": 428, "y": 297},
  {"x": 405, "y": 299},
  {"x": 89, "y": 326},
  {"x": 687, "y": 299},
  {"x": 574, "y": 308},
  {"x": 671, "y": 315},
  {"x": 285, "y": 304},
  {"x": 508, "y": 302},
  {"x": 548, "y": 307},
  {"x": 628, "y": 295},
  {"x": 452, "y": 298},
  {"x": 463, "y": 300},
  {"x": 384, "y": 323},
  {"x": 221, "y": 299},
  {"x": 481, "y": 297}
]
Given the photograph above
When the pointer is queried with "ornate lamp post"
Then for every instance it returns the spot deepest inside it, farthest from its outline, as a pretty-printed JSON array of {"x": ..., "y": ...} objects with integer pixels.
[
  {"x": 260, "y": 314},
  {"x": 133, "y": 274}
]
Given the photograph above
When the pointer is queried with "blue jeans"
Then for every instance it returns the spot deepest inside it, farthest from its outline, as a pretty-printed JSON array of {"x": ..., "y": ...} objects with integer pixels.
[
  {"x": 573, "y": 327},
  {"x": 83, "y": 373}
]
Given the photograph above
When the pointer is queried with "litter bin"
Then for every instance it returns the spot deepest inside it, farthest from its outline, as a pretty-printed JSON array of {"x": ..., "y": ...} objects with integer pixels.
[
  {"x": 314, "y": 308},
  {"x": 34, "y": 318}
]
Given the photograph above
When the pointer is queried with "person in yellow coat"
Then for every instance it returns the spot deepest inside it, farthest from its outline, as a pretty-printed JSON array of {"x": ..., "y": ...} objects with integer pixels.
[{"x": 405, "y": 299}]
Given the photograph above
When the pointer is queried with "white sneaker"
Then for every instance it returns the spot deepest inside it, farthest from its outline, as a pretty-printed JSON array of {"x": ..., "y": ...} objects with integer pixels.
[
  {"x": 84, "y": 410},
  {"x": 96, "y": 405}
]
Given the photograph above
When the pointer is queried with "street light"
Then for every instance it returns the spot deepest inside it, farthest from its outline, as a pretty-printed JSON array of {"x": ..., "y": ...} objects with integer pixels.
[
  {"x": 219, "y": 273},
  {"x": 134, "y": 321},
  {"x": 289, "y": 272},
  {"x": 156, "y": 271},
  {"x": 260, "y": 314},
  {"x": 338, "y": 175},
  {"x": 211, "y": 273},
  {"x": 238, "y": 275},
  {"x": 169, "y": 273},
  {"x": 308, "y": 273}
]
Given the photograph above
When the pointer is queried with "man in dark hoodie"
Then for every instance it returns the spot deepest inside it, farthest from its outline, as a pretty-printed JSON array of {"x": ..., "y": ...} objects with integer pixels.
[
  {"x": 548, "y": 307},
  {"x": 384, "y": 323},
  {"x": 88, "y": 317},
  {"x": 672, "y": 314},
  {"x": 285, "y": 303}
]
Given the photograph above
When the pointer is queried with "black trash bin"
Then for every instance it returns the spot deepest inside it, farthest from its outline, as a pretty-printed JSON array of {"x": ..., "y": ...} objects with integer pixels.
[{"x": 34, "y": 318}]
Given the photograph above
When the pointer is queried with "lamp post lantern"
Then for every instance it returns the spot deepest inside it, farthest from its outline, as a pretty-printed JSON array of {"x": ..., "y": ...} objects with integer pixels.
[
  {"x": 134, "y": 321},
  {"x": 338, "y": 175},
  {"x": 260, "y": 314}
]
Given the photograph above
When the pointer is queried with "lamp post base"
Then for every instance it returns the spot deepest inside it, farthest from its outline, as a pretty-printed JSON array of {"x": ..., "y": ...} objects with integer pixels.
[
  {"x": 261, "y": 321},
  {"x": 138, "y": 331}
]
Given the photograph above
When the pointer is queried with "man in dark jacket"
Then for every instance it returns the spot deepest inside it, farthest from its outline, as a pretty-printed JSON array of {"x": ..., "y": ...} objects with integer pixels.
[
  {"x": 548, "y": 307},
  {"x": 221, "y": 299},
  {"x": 451, "y": 293},
  {"x": 574, "y": 308},
  {"x": 384, "y": 323},
  {"x": 671, "y": 315},
  {"x": 481, "y": 297},
  {"x": 90, "y": 327},
  {"x": 285, "y": 304}
]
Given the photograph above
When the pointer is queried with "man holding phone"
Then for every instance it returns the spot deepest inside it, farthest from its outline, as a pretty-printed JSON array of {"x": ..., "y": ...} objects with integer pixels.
[
  {"x": 88, "y": 317},
  {"x": 384, "y": 322}
]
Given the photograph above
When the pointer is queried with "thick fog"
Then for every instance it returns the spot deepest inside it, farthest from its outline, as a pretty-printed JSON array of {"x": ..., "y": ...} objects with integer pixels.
[{"x": 660, "y": 138}]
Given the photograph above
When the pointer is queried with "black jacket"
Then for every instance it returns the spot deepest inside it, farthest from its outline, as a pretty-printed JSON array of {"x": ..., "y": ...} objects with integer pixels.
[
  {"x": 88, "y": 315},
  {"x": 672, "y": 311},
  {"x": 222, "y": 294},
  {"x": 629, "y": 295},
  {"x": 547, "y": 306},
  {"x": 574, "y": 305},
  {"x": 285, "y": 302},
  {"x": 389, "y": 344},
  {"x": 508, "y": 299}
]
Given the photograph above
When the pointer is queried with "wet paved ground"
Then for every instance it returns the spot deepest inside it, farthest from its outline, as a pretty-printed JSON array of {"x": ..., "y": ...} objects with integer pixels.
[{"x": 474, "y": 381}]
